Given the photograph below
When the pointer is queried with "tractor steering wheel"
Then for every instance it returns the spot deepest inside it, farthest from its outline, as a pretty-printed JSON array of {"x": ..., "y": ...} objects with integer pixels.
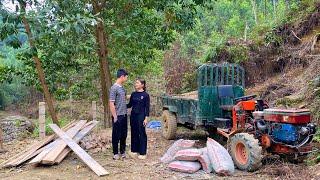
[{"x": 245, "y": 98}]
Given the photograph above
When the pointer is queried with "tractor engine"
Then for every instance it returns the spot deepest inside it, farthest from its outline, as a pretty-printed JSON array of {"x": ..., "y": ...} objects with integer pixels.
[{"x": 285, "y": 131}]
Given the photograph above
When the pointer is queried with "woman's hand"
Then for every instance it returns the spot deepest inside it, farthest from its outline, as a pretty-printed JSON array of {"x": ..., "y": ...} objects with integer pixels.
[{"x": 145, "y": 122}]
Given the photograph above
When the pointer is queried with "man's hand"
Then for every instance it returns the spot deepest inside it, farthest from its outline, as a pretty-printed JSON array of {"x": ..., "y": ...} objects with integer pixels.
[{"x": 113, "y": 111}]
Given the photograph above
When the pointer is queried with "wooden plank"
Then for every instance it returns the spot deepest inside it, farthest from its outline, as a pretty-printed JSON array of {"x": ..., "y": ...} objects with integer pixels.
[
  {"x": 31, "y": 155},
  {"x": 59, "y": 147},
  {"x": 84, "y": 156},
  {"x": 77, "y": 139},
  {"x": 38, "y": 151},
  {"x": 94, "y": 110},
  {"x": 42, "y": 120},
  {"x": 27, "y": 154},
  {"x": 57, "y": 143}
]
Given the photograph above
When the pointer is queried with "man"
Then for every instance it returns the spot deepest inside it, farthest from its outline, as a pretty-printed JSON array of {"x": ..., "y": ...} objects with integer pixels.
[{"x": 118, "y": 109}]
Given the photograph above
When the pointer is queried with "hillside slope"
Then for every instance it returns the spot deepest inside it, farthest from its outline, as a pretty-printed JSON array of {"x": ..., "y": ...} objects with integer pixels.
[{"x": 288, "y": 75}]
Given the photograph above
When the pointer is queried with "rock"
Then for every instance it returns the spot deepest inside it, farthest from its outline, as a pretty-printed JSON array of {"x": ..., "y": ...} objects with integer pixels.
[
  {"x": 316, "y": 81},
  {"x": 15, "y": 127},
  {"x": 103, "y": 149},
  {"x": 96, "y": 150}
]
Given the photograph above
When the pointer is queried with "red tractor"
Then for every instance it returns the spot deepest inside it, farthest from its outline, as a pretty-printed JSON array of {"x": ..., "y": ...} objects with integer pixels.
[
  {"x": 251, "y": 127},
  {"x": 257, "y": 129}
]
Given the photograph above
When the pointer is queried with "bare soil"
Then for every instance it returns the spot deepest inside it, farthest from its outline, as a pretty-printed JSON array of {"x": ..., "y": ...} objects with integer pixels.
[{"x": 73, "y": 168}]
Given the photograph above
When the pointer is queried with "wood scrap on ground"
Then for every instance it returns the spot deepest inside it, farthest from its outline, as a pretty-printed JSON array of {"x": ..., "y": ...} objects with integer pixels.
[
  {"x": 53, "y": 149},
  {"x": 77, "y": 139},
  {"x": 84, "y": 156},
  {"x": 31, "y": 151},
  {"x": 56, "y": 144}
]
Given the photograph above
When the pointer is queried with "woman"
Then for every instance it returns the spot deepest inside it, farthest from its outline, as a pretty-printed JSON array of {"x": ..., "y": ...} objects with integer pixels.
[{"x": 140, "y": 103}]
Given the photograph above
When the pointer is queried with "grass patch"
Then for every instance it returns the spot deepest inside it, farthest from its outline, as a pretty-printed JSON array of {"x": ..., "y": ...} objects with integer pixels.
[
  {"x": 314, "y": 158},
  {"x": 63, "y": 121},
  {"x": 288, "y": 102}
]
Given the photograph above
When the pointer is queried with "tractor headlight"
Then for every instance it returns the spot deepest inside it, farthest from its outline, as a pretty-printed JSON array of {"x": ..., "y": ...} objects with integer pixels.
[{"x": 304, "y": 130}]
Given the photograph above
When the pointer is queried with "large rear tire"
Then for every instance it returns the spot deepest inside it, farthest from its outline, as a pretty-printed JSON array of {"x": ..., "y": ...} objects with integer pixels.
[
  {"x": 169, "y": 125},
  {"x": 245, "y": 151}
]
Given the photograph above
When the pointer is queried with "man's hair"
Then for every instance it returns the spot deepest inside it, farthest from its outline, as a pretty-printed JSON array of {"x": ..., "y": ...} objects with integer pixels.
[{"x": 121, "y": 72}]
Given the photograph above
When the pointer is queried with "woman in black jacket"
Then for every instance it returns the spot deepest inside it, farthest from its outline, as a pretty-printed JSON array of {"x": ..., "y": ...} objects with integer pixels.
[{"x": 140, "y": 104}]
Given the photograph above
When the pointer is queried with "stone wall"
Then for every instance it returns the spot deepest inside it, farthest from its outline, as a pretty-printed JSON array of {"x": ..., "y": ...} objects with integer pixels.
[{"x": 15, "y": 127}]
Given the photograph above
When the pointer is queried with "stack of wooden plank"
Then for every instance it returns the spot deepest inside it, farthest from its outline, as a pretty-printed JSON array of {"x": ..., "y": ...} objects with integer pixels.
[{"x": 53, "y": 149}]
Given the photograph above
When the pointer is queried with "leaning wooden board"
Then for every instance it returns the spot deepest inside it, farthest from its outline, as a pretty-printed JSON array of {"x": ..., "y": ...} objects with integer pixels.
[
  {"x": 77, "y": 139},
  {"x": 55, "y": 151},
  {"x": 85, "y": 157},
  {"x": 58, "y": 142},
  {"x": 31, "y": 151}
]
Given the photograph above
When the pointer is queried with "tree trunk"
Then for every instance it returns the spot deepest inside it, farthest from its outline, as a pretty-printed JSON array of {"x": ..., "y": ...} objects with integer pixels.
[
  {"x": 105, "y": 75},
  {"x": 254, "y": 9},
  {"x": 246, "y": 31},
  {"x": 274, "y": 8},
  {"x": 265, "y": 8},
  {"x": 37, "y": 61},
  {"x": 287, "y": 4}
]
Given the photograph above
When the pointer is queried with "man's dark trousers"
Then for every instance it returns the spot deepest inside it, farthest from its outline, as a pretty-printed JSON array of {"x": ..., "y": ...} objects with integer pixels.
[{"x": 119, "y": 134}]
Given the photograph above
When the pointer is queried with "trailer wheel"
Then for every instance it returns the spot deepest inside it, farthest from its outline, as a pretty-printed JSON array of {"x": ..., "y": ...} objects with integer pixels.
[
  {"x": 245, "y": 151},
  {"x": 169, "y": 125}
]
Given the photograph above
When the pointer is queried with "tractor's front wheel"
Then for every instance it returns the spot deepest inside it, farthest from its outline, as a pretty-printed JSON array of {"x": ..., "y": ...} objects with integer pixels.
[
  {"x": 245, "y": 151},
  {"x": 169, "y": 125}
]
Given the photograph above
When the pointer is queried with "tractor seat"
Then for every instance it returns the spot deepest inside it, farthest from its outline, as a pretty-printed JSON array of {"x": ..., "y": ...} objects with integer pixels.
[{"x": 226, "y": 107}]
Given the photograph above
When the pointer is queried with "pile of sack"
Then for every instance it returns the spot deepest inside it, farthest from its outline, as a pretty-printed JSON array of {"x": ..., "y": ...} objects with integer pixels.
[{"x": 182, "y": 156}]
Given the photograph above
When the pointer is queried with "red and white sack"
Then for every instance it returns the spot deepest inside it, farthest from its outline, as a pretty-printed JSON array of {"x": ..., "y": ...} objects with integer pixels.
[
  {"x": 205, "y": 161},
  {"x": 185, "y": 166},
  {"x": 220, "y": 159},
  {"x": 174, "y": 148},
  {"x": 188, "y": 154}
]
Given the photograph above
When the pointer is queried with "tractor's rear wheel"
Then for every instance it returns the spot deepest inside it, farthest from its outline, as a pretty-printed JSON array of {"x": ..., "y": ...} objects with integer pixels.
[
  {"x": 169, "y": 125},
  {"x": 245, "y": 151}
]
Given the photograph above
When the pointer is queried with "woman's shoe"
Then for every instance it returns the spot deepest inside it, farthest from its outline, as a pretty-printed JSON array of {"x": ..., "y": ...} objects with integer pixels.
[
  {"x": 133, "y": 154},
  {"x": 142, "y": 157}
]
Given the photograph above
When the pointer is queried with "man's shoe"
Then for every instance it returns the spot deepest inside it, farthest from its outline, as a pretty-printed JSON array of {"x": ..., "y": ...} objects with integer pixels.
[
  {"x": 123, "y": 156},
  {"x": 142, "y": 157},
  {"x": 116, "y": 157},
  {"x": 133, "y": 154}
]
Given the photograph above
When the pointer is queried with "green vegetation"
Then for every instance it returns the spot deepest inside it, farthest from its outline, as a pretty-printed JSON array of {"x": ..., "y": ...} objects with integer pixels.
[
  {"x": 314, "y": 157},
  {"x": 144, "y": 37},
  {"x": 63, "y": 121}
]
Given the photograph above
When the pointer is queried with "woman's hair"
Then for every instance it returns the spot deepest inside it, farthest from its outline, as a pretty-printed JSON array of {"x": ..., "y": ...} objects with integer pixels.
[{"x": 142, "y": 81}]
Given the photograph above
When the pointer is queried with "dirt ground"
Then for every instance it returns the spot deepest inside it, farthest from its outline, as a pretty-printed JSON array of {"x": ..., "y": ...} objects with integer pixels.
[{"x": 73, "y": 168}]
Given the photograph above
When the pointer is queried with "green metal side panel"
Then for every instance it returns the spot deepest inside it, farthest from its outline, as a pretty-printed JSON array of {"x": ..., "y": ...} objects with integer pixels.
[
  {"x": 185, "y": 109},
  {"x": 208, "y": 102}
]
